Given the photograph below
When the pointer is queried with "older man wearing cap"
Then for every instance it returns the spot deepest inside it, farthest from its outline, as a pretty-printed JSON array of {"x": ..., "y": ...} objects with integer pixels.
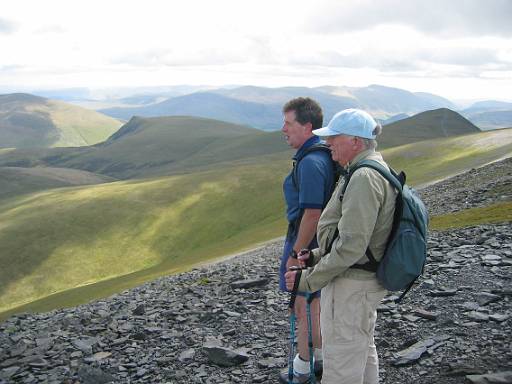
[{"x": 358, "y": 218}]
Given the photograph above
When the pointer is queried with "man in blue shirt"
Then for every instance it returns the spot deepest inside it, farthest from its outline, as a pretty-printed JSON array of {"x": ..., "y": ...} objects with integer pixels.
[{"x": 307, "y": 190}]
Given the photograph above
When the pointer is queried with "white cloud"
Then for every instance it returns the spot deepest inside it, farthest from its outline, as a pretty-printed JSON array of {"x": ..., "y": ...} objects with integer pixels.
[
  {"x": 452, "y": 18},
  {"x": 419, "y": 45},
  {"x": 7, "y": 26}
]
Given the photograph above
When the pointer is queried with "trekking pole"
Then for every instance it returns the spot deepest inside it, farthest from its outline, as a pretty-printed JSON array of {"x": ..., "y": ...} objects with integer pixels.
[
  {"x": 291, "y": 307},
  {"x": 312, "y": 377}
]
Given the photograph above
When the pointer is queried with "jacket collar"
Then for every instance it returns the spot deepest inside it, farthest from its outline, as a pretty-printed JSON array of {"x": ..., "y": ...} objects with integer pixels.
[
  {"x": 308, "y": 143},
  {"x": 368, "y": 153}
]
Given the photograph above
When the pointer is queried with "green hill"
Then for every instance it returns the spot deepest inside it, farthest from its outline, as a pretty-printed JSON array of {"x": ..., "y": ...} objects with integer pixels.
[
  {"x": 158, "y": 146},
  {"x": 32, "y": 121},
  {"x": 146, "y": 147},
  {"x": 81, "y": 235},
  {"x": 91, "y": 241},
  {"x": 15, "y": 181},
  {"x": 425, "y": 126}
]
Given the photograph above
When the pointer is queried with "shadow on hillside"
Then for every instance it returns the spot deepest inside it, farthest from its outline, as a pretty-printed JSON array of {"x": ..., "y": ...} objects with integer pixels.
[
  {"x": 28, "y": 129},
  {"x": 32, "y": 232},
  {"x": 160, "y": 227}
]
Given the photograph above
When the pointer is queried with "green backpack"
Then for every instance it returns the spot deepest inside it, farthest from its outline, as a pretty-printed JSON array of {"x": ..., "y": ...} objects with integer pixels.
[{"x": 406, "y": 249}]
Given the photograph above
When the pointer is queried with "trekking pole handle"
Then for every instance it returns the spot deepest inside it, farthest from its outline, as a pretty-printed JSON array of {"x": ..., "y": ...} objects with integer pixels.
[
  {"x": 295, "y": 285},
  {"x": 309, "y": 261}
]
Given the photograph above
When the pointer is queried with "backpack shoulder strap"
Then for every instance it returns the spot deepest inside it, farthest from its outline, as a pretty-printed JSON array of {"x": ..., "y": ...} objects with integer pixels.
[
  {"x": 396, "y": 180},
  {"x": 314, "y": 148}
]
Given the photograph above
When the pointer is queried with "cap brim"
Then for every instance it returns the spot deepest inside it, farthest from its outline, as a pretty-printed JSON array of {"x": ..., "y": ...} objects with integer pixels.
[{"x": 325, "y": 131}]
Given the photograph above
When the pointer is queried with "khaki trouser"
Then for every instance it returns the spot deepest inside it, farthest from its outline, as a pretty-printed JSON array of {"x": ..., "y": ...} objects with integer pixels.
[{"x": 347, "y": 320}]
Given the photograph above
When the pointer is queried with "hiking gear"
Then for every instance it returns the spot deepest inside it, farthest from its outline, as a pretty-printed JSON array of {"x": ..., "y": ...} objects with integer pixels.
[
  {"x": 302, "y": 377},
  {"x": 298, "y": 378},
  {"x": 338, "y": 170},
  {"x": 291, "y": 307},
  {"x": 293, "y": 376},
  {"x": 350, "y": 122},
  {"x": 309, "y": 299},
  {"x": 283, "y": 268},
  {"x": 406, "y": 250}
]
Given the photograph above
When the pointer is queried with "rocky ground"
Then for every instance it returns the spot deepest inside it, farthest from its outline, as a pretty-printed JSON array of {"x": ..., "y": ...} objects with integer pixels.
[{"x": 226, "y": 323}]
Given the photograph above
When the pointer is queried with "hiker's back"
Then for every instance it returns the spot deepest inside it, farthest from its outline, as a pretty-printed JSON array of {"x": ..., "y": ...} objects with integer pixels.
[{"x": 358, "y": 195}]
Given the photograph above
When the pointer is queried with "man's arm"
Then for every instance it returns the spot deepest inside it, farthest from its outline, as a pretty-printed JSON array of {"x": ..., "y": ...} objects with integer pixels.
[{"x": 307, "y": 231}]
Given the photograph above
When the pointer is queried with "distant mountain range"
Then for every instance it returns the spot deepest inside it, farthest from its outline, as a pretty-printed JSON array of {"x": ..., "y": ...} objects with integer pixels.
[
  {"x": 261, "y": 107},
  {"x": 490, "y": 114},
  {"x": 32, "y": 121}
]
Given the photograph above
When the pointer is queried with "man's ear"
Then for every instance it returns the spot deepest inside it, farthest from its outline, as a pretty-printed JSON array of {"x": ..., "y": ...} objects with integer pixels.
[{"x": 308, "y": 127}]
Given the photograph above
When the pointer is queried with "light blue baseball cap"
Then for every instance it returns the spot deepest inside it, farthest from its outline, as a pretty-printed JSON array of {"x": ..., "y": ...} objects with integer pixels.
[{"x": 350, "y": 122}]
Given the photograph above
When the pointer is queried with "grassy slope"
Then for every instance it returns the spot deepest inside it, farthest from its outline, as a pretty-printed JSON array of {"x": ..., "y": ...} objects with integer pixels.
[
  {"x": 29, "y": 121},
  {"x": 15, "y": 181},
  {"x": 154, "y": 227},
  {"x": 434, "y": 160},
  {"x": 495, "y": 213},
  {"x": 79, "y": 126},
  {"x": 89, "y": 234}
]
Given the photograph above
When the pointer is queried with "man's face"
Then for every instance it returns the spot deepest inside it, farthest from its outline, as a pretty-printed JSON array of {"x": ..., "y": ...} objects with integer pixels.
[
  {"x": 295, "y": 133},
  {"x": 343, "y": 148}
]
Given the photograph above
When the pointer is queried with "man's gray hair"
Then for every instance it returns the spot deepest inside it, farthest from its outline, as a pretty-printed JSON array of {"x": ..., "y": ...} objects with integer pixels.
[{"x": 372, "y": 143}]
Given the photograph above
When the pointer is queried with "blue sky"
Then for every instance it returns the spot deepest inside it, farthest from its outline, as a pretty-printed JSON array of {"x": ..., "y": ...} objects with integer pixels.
[{"x": 460, "y": 49}]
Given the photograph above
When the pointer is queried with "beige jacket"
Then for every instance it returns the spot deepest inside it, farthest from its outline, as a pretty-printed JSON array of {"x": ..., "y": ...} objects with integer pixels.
[{"x": 364, "y": 217}]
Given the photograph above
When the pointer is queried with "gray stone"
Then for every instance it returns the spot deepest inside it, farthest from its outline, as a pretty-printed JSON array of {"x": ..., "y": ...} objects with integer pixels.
[
  {"x": 187, "y": 355},
  {"x": 443, "y": 292},
  {"x": 92, "y": 375},
  {"x": 484, "y": 298},
  {"x": 251, "y": 283},
  {"x": 491, "y": 378},
  {"x": 413, "y": 353},
  {"x": 425, "y": 314},
  {"x": 85, "y": 344},
  {"x": 225, "y": 357}
]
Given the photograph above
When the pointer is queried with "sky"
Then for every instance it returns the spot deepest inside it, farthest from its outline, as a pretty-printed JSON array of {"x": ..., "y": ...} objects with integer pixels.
[{"x": 458, "y": 49}]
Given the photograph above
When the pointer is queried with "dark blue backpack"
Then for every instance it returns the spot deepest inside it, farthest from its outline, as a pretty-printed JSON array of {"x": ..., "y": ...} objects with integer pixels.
[{"x": 406, "y": 250}]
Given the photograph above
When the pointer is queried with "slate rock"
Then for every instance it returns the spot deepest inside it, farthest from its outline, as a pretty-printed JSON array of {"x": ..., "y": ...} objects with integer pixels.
[
  {"x": 187, "y": 355},
  {"x": 140, "y": 310},
  {"x": 484, "y": 298},
  {"x": 92, "y": 375},
  {"x": 425, "y": 314},
  {"x": 413, "y": 353},
  {"x": 251, "y": 283},
  {"x": 443, "y": 292},
  {"x": 491, "y": 378},
  {"x": 224, "y": 357}
]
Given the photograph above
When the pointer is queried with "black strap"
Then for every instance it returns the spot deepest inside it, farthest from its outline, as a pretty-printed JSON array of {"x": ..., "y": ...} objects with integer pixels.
[{"x": 293, "y": 296}]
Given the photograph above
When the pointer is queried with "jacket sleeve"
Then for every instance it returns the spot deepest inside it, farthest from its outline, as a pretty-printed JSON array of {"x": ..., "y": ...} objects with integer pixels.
[{"x": 360, "y": 208}]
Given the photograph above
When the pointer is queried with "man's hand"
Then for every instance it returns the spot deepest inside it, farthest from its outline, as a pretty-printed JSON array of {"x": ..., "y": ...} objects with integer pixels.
[
  {"x": 303, "y": 257},
  {"x": 290, "y": 277},
  {"x": 292, "y": 263}
]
